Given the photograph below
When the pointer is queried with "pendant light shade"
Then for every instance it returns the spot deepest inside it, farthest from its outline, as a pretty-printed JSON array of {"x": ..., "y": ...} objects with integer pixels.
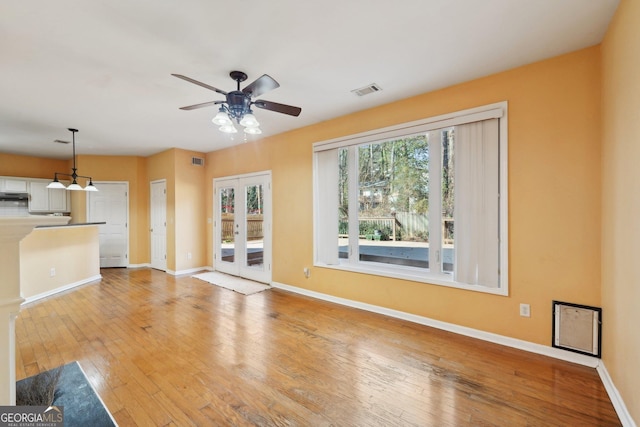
[
  {"x": 74, "y": 186},
  {"x": 90, "y": 186},
  {"x": 55, "y": 184}
]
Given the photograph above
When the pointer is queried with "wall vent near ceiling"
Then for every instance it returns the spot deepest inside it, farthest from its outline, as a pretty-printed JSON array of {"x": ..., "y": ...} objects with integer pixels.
[
  {"x": 577, "y": 328},
  {"x": 373, "y": 87},
  {"x": 197, "y": 161}
]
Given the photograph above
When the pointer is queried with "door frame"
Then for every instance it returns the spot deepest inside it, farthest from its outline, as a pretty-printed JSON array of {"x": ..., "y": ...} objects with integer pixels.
[
  {"x": 151, "y": 183},
  {"x": 267, "y": 226},
  {"x": 128, "y": 222}
]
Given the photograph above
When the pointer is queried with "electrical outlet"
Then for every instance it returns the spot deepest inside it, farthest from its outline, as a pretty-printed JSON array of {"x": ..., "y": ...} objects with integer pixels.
[
  {"x": 52, "y": 272},
  {"x": 306, "y": 272},
  {"x": 188, "y": 255},
  {"x": 525, "y": 310}
]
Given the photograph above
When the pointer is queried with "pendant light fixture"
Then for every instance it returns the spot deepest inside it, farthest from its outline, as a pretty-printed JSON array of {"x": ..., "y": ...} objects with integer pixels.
[{"x": 74, "y": 183}]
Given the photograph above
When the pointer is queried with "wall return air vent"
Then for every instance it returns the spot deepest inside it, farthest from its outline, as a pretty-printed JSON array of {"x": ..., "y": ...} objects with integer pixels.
[
  {"x": 577, "y": 328},
  {"x": 197, "y": 161}
]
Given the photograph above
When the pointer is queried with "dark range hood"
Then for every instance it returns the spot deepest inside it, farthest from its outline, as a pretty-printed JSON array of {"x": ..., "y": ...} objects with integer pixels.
[{"x": 13, "y": 197}]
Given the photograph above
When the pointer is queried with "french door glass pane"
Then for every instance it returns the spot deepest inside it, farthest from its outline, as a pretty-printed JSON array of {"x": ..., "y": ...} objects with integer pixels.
[
  {"x": 254, "y": 196},
  {"x": 227, "y": 218}
]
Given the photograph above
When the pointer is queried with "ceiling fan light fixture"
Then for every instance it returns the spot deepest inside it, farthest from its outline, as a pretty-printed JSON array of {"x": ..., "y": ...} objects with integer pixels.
[
  {"x": 230, "y": 128},
  {"x": 253, "y": 130},
  {"x": 222, "y": 119},
  {"x": 237, "y": 105},
  {"x": 249, "y": 120}
]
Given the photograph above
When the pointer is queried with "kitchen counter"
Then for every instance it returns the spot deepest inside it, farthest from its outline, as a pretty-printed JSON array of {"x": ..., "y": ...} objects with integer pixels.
[
  {"x": 79, "y": 224},
  {"x": 54, "y": 258}
]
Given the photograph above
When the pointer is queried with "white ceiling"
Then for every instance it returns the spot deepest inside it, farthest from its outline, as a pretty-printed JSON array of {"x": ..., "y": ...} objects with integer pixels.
[{"x": 105, "y": 67}]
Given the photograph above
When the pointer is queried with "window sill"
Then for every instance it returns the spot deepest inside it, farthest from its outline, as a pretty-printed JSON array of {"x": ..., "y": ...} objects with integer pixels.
[{"x": 412, "y": 274}]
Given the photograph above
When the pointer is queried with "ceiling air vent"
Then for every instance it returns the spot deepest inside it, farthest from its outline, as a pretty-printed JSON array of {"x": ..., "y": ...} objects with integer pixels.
[
  {"x": 197, "y": 161},
  {"x": 373, "y": 87}
]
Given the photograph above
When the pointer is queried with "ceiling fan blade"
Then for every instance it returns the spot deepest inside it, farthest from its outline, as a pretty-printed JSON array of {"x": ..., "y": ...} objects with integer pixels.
[
  {"x": 204, "y": 104},
  {"x": 195, "y": 82},
  {"x": 278, "y": 108},
  {"x": 261, "y": 85}
]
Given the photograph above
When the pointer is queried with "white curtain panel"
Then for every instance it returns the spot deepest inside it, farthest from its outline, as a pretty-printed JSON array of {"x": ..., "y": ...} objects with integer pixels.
[
  {"x": 326, "y": 209},
  {"x": 476, "y": 209}
]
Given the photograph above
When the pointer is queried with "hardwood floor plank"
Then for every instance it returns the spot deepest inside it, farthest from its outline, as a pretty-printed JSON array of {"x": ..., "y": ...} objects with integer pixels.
[
  {"x": 165, "y": 350},
  {"x": 124, "y": 419},
  {"x": 137, "y": 412}
]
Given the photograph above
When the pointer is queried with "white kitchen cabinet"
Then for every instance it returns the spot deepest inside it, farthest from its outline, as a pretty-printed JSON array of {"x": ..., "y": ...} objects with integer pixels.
[
  {"x": 44, "y": 199},
  {"x": 59, "y": 200},
  {"x": 12, "y": 185},
  {"x": 38, "y": 196}
]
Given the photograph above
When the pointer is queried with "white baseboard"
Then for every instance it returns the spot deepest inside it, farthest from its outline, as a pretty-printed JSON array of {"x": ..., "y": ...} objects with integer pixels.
[
  {"x": 614, "y": 395},
  {"x": 144, "y": 265},
  {"x": 62, "y": 289},
  {"x": 188, "y": 271}
]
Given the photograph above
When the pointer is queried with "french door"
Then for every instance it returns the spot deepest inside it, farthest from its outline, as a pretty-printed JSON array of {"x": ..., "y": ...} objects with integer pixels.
[{"x": 242, "y": 228}]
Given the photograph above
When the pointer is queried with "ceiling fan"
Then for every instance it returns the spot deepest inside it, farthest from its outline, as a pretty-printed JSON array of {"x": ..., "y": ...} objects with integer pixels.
[{"x": 238, "y": 103}]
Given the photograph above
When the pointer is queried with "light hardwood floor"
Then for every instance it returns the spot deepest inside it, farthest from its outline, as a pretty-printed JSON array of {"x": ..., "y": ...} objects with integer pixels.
[{"x": 162, "y": 350}]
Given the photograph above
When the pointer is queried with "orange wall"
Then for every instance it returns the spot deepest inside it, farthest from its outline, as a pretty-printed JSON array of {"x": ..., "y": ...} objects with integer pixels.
[
  {"x": 32, "y": 167},
  {"x": 554, "y": 197},
  {"x": 620, "y": 203},
  {"x": 190, "y": 212}
]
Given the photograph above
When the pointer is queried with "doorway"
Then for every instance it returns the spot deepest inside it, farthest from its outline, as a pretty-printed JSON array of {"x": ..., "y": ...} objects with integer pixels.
[
  {"x": 111, "y": 205},
  {"x": 242, "y": 235},
  {"x": 159, "y": 225}
]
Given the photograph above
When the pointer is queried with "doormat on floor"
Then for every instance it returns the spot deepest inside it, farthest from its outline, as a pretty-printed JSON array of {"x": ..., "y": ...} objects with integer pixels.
[
  {"x": 238, "y": 284},
  {"x": 82, "y": 405}
]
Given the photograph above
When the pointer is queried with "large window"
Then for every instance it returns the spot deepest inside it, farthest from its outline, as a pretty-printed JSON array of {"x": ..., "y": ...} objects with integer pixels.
[{"x": 423, "y": 201}]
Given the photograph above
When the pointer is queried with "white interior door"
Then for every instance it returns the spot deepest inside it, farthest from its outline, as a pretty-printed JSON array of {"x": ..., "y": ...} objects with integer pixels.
[
  {"x": 243, "y": 226},
  {"x": 111, "y": 205},
  {"x": 159, "y": 225}
]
